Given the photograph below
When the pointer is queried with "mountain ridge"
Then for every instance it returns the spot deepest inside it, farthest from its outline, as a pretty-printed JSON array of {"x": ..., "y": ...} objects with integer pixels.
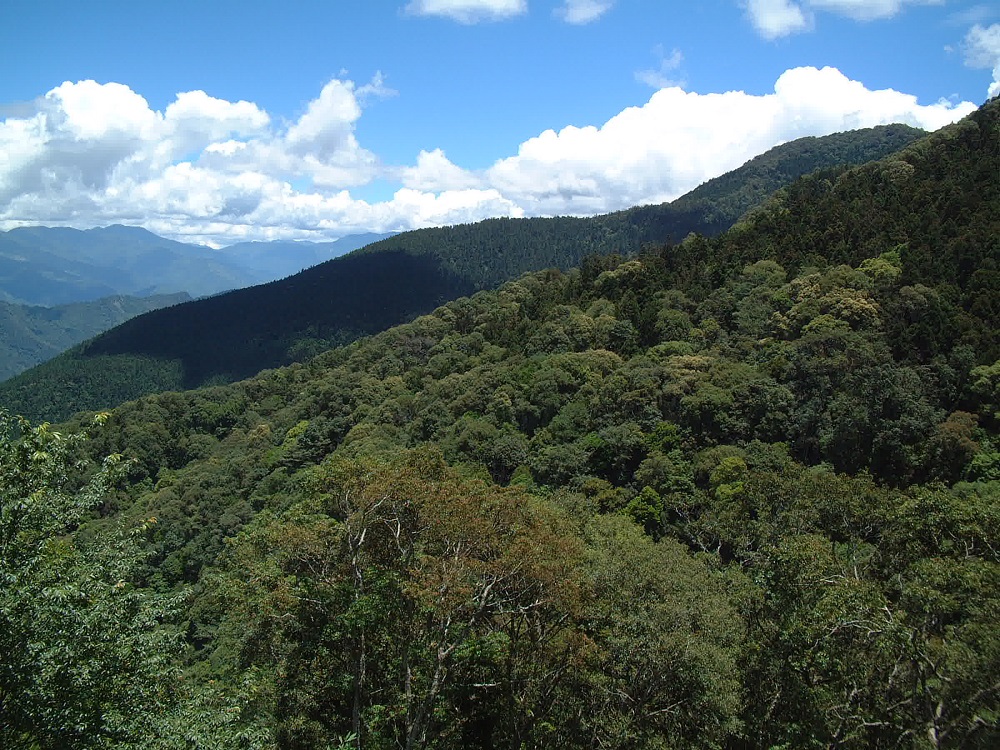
[
  {"x": 170, "y": 350},
  {"x": 32, "y": 334},
  {"x": 59, "y": 265}
]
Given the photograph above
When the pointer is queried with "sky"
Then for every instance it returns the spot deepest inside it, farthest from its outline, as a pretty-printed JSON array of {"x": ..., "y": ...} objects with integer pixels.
[{"x": 216, "y": 121}]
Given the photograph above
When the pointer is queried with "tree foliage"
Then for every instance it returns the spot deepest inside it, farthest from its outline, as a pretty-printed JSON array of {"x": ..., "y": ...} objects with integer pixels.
[
  {"x": 84, "y": 655},
  {"x": 728, "y": 493}
]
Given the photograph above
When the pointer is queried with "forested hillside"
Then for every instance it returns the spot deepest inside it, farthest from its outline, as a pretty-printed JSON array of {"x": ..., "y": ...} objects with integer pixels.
[
  {"x": 491, "y": 252},
  {"x": 30, "y": 334},
  {"x": 236, "y": 335},
  {"x": 739, "y": 492}
]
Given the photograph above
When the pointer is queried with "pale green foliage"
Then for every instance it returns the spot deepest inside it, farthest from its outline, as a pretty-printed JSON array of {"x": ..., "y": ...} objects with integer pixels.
[{"x": 83, "y": 649}]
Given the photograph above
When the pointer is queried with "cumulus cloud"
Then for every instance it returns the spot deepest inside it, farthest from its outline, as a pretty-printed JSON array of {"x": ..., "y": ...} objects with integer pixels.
[
  {"x": 583, "y": 11},
  {"x": 91, "y": 153},
  {"x": 677, "y": 140},
  {"x": 778, "y": 18},
  {"x": 208, "y": 170},
  {"x": 434, "y": 172},
  {"x": 468, "y": 11},
  {"x": 982, "y": 50},
  {"x": 664, "y": 75}
]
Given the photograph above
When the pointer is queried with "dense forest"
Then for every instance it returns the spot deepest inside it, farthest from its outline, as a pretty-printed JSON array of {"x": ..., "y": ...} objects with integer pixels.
[
  {"x": 233, "y": 336},
  {"x": 732, "y": 492}
]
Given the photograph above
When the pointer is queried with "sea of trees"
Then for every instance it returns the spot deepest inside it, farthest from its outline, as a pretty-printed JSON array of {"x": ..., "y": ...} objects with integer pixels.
[{"x": 739, "y": 492}]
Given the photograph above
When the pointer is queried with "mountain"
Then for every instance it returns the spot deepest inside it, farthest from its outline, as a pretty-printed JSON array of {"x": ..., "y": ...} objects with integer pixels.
[
  {"x": 237, "y": 334},
  {"x": 42, "y": 268},
  {"x": 734, "y": 492},
  {"x": 268, "y": 261},
  {"x": 32, "y": 334},
  {"x": 491, "y": 252},
  {"x": 57, "y": 265},
  {"x": 716, "y": 205}
]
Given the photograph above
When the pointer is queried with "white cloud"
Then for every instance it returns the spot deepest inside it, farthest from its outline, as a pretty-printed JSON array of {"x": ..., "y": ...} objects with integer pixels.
[
  {"x": 434, "y": 172},
  {"x": 677, "y": 140},
  {"x": 424, "y": 209},
  {"x": 468, "y": 11},
  {"x": 194, "y": 118},
  {"x": 778, "y": 18},
  {"x": 982, "y": 50},
  {"x": 81, "y": 110},
  {"x": 328, "y": 123},
  {"x": 91, "y": 153},
  {"x": 663, "y": 76},
  {"x": 209, "y": 170},
  {"x": 583, "y": 11}
]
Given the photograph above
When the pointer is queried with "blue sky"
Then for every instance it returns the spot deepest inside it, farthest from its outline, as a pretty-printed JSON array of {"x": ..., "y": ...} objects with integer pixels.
[{"x": 218, "y": 121}]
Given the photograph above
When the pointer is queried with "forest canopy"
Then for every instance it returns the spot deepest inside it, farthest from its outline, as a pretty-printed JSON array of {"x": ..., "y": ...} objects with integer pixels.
[{"x": 724, "y": 493}]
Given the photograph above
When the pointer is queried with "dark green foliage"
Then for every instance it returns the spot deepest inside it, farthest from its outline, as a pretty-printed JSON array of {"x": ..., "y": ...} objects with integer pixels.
[
  {"x": 215, "y": 340},
  {"x": 717, "y": 204}
]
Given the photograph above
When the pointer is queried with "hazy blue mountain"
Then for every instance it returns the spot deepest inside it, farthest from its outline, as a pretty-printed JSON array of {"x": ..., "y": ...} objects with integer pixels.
[
  {"x": 268, "y": 261},
  {"x": 31, "y": 334},
  {"x": 59, "y": 265}
]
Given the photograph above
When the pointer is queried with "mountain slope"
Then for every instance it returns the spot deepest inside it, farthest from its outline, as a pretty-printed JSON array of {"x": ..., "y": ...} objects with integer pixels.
[
  {"x": 240, "y": 333},
  {"x": 490, "y": 252},
  {"x": 736, "y": 492},
  {"x": 30, "y": 335}
]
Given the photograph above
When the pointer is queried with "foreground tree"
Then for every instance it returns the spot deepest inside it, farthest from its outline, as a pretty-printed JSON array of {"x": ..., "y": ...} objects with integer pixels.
[{"x": 84, "y": 655}]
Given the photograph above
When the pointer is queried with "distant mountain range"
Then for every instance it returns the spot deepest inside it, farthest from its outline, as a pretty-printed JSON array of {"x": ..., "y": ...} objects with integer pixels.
[
  {"x": 61, "y": 286},
  {"x": 269, "y": 261},
  {"x": 57, "y": 265},
  {"x": 235, "y": 335}
]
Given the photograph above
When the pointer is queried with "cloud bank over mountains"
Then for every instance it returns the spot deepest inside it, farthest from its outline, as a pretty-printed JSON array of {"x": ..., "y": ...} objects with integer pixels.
[{"x": 209, "y": 170}]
